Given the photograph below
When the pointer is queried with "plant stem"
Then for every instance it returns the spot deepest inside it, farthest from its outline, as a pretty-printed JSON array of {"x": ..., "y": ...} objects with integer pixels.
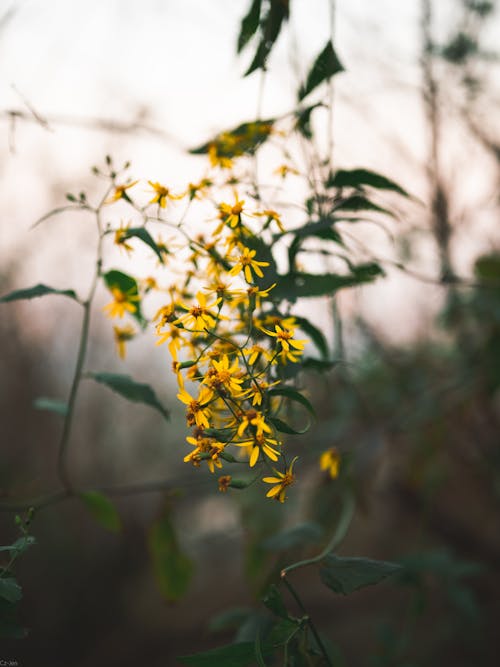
[{"x": 308, "y": 619}]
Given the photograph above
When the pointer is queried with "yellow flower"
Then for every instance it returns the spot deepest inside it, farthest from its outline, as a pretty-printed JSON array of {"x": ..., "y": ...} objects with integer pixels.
[
  {"x": 122, "y": 303},
  {"x": 246, "y": 263},
  {"x": 162, "y": 194},
  {"x": 204, "y": 445},
  {"x": 222, "y": 376},
  {"x": 330, "y": 461},
  {"x": 281, "y": 482},
  {"x": 121, "y": 238},
  {"x": 121, "y": 192},
  {"x": 271, "y": 216},
  {"x": 197, "y": 190},
  {"x": 285, "y": 338},
  {"x": 122, "y": 335},
  {"x": 257, "y": 389},
  {"x": 197, "y": 411},
  {"x": 176, "y": 342},
  {"x": 231, "y": 214},
  {"x": 200, "y": 316},
  {"x": 253, "y": 418},
  {"x": 260, "y": 443},
  {"x": 255, "y": 351}
]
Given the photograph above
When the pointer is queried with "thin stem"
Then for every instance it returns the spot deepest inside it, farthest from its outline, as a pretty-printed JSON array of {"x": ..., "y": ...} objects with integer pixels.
[
  {"x": 309, "y": 621},
  {"x": 346, "y": 516},
  {"x": 62, "y": 459}
]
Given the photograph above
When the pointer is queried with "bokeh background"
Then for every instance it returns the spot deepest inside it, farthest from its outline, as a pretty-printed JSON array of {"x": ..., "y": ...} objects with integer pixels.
[{"x": 415, "y": 411}]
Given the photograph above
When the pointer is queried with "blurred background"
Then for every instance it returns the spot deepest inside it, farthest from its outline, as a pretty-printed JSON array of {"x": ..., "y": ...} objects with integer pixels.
[{"x": 415, "y": 413}]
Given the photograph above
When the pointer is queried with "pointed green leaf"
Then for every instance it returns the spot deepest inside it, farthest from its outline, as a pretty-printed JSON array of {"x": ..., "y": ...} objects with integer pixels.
[
  {"x": 283, "y": 427},
  {"x": 143, "y": 234},
  {"x": 297, "y": 285},
  {"x": 274, "y": 601},
  {"x": 360, "y": 203},
  {"x": 345, "y": 575},
  {"x": 357, "y": 178},
  {"x": 36, "y": 291},
  {"x": 271, "y": 27},
  {"x": 130, "y": 389},
  {"x": 243, "y": 139},
  {"x": 172, "y": 568},
  {"x": 319, "y": 365},
  {"x": 229, "y": 620},
  {"x": 325, "y": 66},
  {"x": 317, "y": 336},
  {"x": 302, "y": 534},
  {"x": 249, "y": 25},
  {"x": 102, "y": 509},
  {"x": 303, "y": 120},
  {"x": 293, "y": 395},
  {"x": 232, "y": 655},
  {"x": 51, "y": 405},
  {"x": 10, "y": 589},
  {"x": 283, "y": 632}
]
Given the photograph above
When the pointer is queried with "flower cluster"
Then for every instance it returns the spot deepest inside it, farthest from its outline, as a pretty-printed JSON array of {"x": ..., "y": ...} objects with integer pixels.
[{"x": 222, "y": 323}]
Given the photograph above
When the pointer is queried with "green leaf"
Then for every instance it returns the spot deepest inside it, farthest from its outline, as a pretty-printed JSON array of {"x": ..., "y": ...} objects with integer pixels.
[
  {"x": 102, "y": 509},
  {"x": 10, "y": 589},
  {"x": 127, "y": 285},
  {"x": 303, "y": 120},
  {"x": 241, "y": 140},
  {"x": 229, "y": 620},
  {"x": 273, "y": 601},
  {"x": 317, "y": 336},
  {"x": 271, "y": 27},
  {"x": 357, "y": 178},
  {"x": 130, "y": 389},
  {"x": 249, "y": 25},
  {"x": 293, "y": 395},
  {"x": 302, "y": 534},
  {"x": 346, "y": 575},
  {"x": 283, "y": 632},
  {"x": 52, "y": 405},
  {"x": 232, "y": 655},
  {"x": 143, "y": 234},
  {"x": 325, "y": 66},
  {"x": 9, "y": 625},
  {"x": 298, "y": 285},
  {"x": 360, "y": 203},
  {"x": 318, "y": 365},
  {"x": 172, "y": 568},
  {"x": 36, "y": 291},
  {"x": 283, "y": 427}
]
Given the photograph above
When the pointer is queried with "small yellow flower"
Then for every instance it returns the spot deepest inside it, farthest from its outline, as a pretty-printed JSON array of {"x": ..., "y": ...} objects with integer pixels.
[
  {"x": 198, "y": 190},
  {"x": 272, "y": 216},
  {"x": 204, "y": 445},
  {"x": 260, "y": 443},
  {"x": 330, "y": 462},
  {"x": 200, "y": 316},
  {"x": 223, "y": 376},
  {"x": 121, "y": 238},
  {"x": 197, "y": 411},
  {"x": 123, "y": 302},
  {"x": 285, "y": 338},
  {"x": 253, "y": 418},
  {"x": 162, "y": 194},
  {"x": 281, "y": 482},
  {"x": 121, "y": 192},
  {"x": 231, "y": 214},
  {"x": 176, "y": 342},
  {"x": 122, "y": 336},
  {"x": 246, "y": 263}
]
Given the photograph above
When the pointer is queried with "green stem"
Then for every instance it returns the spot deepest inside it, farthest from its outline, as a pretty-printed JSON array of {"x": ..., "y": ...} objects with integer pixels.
[
  {"x": 309, "y": 621},
  {"x": 62, "y": 458},
  {"x": 339, "y": 534}
]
